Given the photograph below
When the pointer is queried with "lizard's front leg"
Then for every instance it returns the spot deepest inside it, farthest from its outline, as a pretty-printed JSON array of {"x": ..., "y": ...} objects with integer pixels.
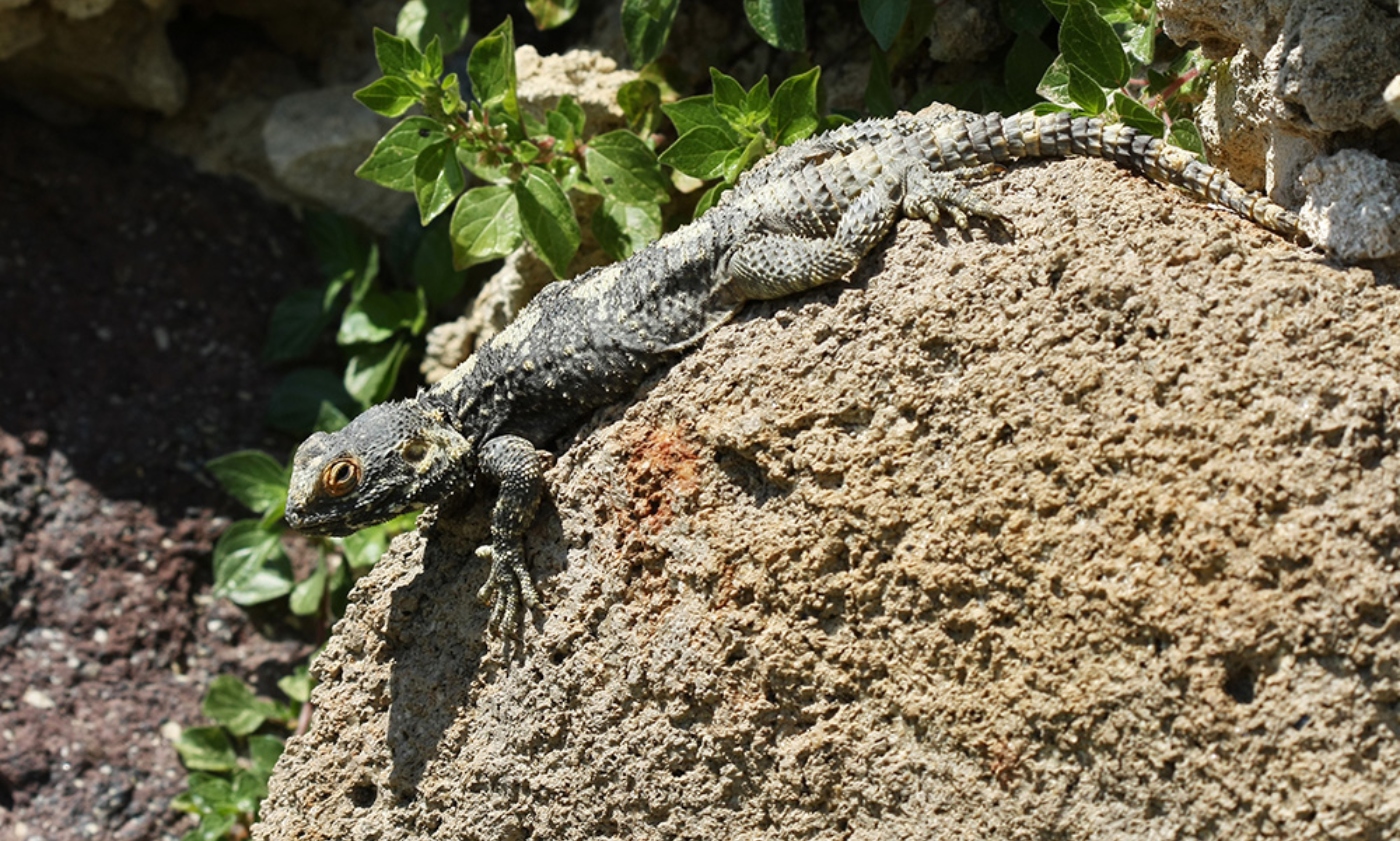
[{"x": 512, "y": 463}]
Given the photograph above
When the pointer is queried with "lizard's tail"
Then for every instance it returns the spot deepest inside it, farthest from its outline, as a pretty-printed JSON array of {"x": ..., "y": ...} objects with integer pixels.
[{"x": 992, "y": 138}]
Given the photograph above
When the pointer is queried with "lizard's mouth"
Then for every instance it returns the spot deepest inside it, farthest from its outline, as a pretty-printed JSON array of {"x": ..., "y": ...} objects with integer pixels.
[{"x": 326, "y": 525}]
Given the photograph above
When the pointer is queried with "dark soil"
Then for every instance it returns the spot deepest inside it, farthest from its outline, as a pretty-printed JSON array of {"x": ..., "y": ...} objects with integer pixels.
[{"x": 134, "y": 296}]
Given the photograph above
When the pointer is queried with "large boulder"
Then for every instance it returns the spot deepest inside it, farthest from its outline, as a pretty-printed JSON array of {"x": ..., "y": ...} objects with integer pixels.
[{"x": 1088, "y": 532}]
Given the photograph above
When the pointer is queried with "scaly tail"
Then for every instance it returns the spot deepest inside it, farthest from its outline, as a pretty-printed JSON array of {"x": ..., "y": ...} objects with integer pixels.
[{"x": 981, "y": 139}]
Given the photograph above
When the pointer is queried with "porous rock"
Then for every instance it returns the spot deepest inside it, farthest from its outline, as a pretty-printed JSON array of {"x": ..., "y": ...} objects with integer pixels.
[
  {"x": 315, "y": 140},
  {"x": 1352, "y": 205},
  {"x": 1303, "y": 78},
  {"x": 93, "y": 51},
  {"x": 1086, "y": 533}
]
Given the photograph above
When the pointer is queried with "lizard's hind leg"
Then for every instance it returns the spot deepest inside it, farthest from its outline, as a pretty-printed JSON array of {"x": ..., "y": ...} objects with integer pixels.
[
  {"x": 931, "y": 195},
  {"x": 773, "y": 265}
]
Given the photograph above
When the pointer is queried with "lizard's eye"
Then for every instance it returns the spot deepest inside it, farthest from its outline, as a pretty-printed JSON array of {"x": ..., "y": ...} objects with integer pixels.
[
  {"x": 341, "y": 477},
  {"x": 415, "y": 451}
]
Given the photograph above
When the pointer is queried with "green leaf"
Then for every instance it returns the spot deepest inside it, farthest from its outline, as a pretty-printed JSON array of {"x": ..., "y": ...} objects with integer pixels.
[
  {"x": 752, "y": 153},
  {"x": 432, "y": 268},
  {"x": 381, "y": 314},
  {"x": 1026, "y": 63},
  {"x": 296, "y": 686},
  {"x": 491, "y": 67},
  {"x": 779, "y": 22},
  {"x": 389, "y": 96},
  {"x": 624, "y": 169},
  {"x": 1085, "y": 92},
  {"x": 250, "y": 566},
  {"x": 1118, "y": 11},
  {"x": 295, "y": 404},
  {"x": 1134, "y": 114},
  {"x": 365, "y": 547},
  {"x": 692, "y": 113},
  {"x": 485, "y": 225},
  {"x": 879, "y": 95},
  {"x": 646, "y": 24},
  {"x": 884, "y": 18},
  {"x": 624, "y": 229},
  {"x": 758, "y": 102},
  {"x": 308, "y": 593},
  {"x": 361, "y": 283},
  {"x": 702, "y": 152},
  {"x": 371, "y": 373},
  {"x": 451, "y": 95},
  {"x": 248, "y": 792},
  {"x": 1089, "y": 44},
  {"x": 329, "y": 418},
  {"x": 297, "y": 323},
  {"x": 208, "y": 796},
  {"x": 551, "y": 13},
  {"x": 437, "y": 180},
  {"x": 640, "y": 101},
  {"x": 1054, "y": 85},
  {"x": 569, "y": 117},
  {"x": 421, "y": 21},
  {"x": 561, "y": 128},
  {"x": 794, "y": 111},
  {"x": 232, "y": 704},
  {"x": 711, "y": 196},
  {"x": 396, "y": 56},
  {"x": 1185, "y": 134},
  {"x": 547, "y": 219},
  {"x": 213, "y": 828},
  {"x": 394, "y": 160},
  {"x": 206, "y": 749},
  {"x": 344, "y": 252},
  {"x": 271, "y": 519},
  {"x": 729, "y": 97},
  {"x": 253, "y": 478},
  {"x": 1140, "y": 39}
]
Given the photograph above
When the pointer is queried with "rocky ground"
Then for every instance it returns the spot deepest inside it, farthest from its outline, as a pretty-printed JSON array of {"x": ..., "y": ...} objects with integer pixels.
[{"x": 134, "y": 296}]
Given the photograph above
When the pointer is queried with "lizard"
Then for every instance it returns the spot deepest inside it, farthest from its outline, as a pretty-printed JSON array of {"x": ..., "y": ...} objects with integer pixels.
[{"x": 804, "y": 217}]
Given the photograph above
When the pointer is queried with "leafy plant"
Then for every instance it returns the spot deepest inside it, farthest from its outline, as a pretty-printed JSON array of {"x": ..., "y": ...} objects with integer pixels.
[
  {"x": 1109, "y": 66},
  {"x": 722, "y": 134},
  {"x": 646, "y": 24},
  {"x": 230, "y": 762},
  {"x": 529, "y": 165},
  {"x": 375, "y": 322}
]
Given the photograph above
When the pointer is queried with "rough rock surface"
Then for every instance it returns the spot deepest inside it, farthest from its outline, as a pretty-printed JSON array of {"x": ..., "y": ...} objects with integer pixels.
[
  {"x": 1304, "y": 77},
  {"x": 315, "y": 140},
  {"x": 1087, "y": 534},
  {"x": 95, "y": 51},
  {"x": 1354, "y": 203}
]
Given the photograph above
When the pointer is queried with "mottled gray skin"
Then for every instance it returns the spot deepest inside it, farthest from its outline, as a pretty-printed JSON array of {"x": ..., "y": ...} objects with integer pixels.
[{"x": 803, "y": 218}]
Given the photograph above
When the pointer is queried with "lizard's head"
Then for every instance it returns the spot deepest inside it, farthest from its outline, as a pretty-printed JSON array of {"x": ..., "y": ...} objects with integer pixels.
[{"x": 393, "y": 458}]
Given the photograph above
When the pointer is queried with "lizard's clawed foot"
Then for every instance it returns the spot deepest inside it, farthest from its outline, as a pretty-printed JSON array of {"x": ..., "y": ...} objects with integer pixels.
[
  {"x": 935, "y": 195},
  {"x": 507, "y": 585}
]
